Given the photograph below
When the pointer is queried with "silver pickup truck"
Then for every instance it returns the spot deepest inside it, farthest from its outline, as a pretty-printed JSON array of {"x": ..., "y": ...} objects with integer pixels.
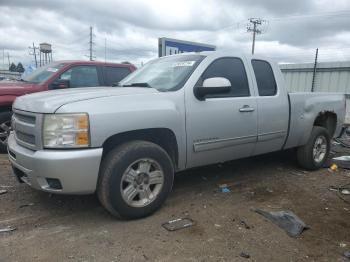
[{"x": 175, "y": 113}]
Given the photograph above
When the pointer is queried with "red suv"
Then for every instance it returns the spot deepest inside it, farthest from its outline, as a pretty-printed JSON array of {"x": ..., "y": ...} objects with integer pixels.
[{"x": 57, "y": 75}]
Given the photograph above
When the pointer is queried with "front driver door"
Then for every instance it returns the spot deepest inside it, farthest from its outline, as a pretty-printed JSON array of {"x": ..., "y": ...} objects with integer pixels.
[{"x": 222, "y": 127}]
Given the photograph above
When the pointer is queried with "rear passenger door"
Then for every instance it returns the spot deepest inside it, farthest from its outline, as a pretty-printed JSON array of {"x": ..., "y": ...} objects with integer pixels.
[
  {"x": 273, "y": 109},
  {"x": 113, "y": 75}
]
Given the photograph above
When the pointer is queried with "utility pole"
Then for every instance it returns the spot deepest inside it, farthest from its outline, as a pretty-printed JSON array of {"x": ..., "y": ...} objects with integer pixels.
[
  {"x": 314, "y": 72},
  {"x": 253, "y": 27},
  {"x": 8, "y": 59},
  {"x": 90, "y": 43},
  {"x": 34, "y": 48},
  {"x": 105, "y": 49}
]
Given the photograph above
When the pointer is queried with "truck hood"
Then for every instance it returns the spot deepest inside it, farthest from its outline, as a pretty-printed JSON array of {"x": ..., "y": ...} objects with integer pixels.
[
  {"x": 17, "y": 88},
  {"x": 50, "y": 101}
]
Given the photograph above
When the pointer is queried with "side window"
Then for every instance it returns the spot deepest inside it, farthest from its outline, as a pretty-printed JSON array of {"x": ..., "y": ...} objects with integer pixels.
[
  {"x": 114, "y": 75},
  {"x": 232, "y": 69},
  {"x": 265, "y": 78},
  {"x": 81, "y": 76}
]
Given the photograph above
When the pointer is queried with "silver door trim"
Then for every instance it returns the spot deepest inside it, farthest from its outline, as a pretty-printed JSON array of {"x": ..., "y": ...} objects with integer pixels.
[
  {"x": 271, "y": 135},
  {"x": 222, "y": 143}
]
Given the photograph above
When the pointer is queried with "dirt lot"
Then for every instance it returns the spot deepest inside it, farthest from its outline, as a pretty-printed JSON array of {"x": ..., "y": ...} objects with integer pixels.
[{"x": 76, "y": 228}]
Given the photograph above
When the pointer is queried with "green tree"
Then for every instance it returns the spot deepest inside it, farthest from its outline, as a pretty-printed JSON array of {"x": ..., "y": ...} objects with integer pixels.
[
  {"x": 12, "y": 67},
  {"x": 20, "y": 68}
]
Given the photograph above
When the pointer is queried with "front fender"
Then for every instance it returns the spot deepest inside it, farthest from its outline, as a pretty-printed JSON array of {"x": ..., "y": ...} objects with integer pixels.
[{"x": 110, "y": 116}]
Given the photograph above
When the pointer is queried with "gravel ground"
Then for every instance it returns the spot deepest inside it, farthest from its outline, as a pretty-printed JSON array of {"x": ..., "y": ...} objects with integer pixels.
[{"x": 77, "y": 228}]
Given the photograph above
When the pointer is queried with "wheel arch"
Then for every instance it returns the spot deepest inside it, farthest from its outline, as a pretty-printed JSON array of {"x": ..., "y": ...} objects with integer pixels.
[
  {"x": 163, "y": 137},
  {"x": 328, "y": 120}
]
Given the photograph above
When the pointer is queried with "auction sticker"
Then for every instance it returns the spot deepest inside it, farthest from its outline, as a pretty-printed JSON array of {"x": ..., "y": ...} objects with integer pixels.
[
  {"x": 184, "y": 63},
  {"x": 50, "y": 69}
]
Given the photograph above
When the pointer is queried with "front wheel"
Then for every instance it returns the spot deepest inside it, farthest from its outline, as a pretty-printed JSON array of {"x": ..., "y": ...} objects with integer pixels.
[
  {"x": 315, "y": 153},
  {"x": 135, "y": 179},
  {"x": 5, "y": 128}
]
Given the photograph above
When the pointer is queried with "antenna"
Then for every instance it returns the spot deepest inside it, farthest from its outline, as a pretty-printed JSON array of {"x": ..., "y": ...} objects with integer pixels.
[{"x": 253, "y": 26}]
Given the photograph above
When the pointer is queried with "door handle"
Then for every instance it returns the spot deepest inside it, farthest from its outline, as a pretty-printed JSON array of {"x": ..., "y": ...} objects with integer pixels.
[{"x": 246, "y": 108}]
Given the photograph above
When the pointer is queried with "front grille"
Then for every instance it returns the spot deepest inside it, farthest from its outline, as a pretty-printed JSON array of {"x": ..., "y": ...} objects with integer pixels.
[
  {"x": 26, "y": 128},
  {"x": 25, "y": 118},
  {"x": 30, "y": 139}
]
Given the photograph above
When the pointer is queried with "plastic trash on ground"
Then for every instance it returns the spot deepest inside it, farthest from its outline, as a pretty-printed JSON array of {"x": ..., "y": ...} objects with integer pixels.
[
  {"x": 7, "y": 229},
  {"x": 178, "y": 223},
  {"x": 286, "y": 220}
]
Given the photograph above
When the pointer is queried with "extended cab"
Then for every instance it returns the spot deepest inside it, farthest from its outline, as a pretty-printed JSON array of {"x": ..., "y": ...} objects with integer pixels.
[
  {"x": 57, "y": 75},
  {"x": 174, "y": 113}
]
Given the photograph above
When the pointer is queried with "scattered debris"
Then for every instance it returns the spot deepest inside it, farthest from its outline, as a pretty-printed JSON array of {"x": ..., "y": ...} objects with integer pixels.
[
  {"x": 269, "y": 190},
  {"x": 224, "y": 188},
  {"x": 296, "y": 173},
  {"x": 347, "y": 254},
  {"x": 26, "y": 205},
  {"x": 217, "y": 225},
  {"x": 244, "y": 255},
  {"x": 7, "y": 229},
  {"x": 3, "y": 191},
  {"x": 333, "y": 168},
  {"x": 6, "y": 186},
  {"x": 286, "y": 220},
  {"x": 343, "y": 192},
  {"x": 243, "y": 223},
  {"x": 178, "y": 223},
  {"x": 342, "y": 161},
  {"x": 342, "y": 158}
]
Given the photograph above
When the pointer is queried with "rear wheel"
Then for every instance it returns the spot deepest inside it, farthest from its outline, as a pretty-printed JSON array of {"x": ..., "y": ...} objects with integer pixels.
[
  {"x": 135, "y": 179},
  {"x": 314, "y": 154},
  {"x": 5, "y": 128}
]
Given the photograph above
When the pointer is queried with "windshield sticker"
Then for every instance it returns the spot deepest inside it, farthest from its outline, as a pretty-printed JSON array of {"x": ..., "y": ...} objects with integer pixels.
[
  {"x": 184, "y": 63},
  {"x": 50, "y": 69}
]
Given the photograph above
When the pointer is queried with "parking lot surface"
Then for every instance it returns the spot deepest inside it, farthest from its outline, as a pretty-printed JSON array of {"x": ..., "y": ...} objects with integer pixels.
[{"x": 77, "y": 228}]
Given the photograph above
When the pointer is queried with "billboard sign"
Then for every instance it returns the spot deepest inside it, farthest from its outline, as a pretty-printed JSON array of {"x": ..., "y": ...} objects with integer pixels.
[{"x": 168, "y": 46}]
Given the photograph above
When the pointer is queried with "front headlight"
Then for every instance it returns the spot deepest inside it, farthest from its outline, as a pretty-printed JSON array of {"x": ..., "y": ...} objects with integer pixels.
[{"x": 66, "y": 131}]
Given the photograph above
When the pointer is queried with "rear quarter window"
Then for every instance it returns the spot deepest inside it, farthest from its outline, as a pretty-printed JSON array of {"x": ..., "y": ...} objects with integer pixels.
[
  {"x": 113, "y": 75},
  {"x": 265, "y": 78}
]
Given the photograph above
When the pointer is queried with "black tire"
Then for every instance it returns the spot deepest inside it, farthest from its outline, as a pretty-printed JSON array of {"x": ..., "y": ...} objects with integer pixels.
[
  {"x": 305, "y": 153},
  {"x": 5, "y": 119},
  {"x": 113, "y": 166}
]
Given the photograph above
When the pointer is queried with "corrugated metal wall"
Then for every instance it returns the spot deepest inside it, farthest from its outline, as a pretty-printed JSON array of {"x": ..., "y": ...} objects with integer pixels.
[{"x": 329, "y": 77}]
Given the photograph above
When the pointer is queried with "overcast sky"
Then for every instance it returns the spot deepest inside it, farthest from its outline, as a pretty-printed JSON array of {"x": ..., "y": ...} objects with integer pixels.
[{"x": 294, "y": 28}]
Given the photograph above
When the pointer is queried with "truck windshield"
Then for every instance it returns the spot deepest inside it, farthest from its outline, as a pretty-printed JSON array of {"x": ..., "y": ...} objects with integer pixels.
[
  {"x": 43, "y": 73},
  {"x": 165, "y": 74}
]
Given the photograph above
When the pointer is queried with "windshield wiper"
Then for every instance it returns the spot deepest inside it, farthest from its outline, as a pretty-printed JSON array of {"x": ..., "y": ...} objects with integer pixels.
[{"x": 141, "y": 84}]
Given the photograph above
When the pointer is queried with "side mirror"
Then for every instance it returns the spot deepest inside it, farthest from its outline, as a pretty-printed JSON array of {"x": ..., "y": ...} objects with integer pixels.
[
  {"x": 61, "y": 84},
  {"x": 212, "y": 86}
]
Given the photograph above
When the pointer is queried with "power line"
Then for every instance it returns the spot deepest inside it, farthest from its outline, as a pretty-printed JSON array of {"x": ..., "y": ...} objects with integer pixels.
[{"x": 253, "y": 27}]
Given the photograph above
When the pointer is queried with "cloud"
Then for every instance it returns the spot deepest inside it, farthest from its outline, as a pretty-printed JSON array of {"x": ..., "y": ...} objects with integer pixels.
[{"x": 131, "y": 28}]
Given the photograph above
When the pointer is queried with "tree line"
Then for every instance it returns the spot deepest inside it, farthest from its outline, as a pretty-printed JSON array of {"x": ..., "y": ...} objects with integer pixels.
[{"x": 19, "y": 68}]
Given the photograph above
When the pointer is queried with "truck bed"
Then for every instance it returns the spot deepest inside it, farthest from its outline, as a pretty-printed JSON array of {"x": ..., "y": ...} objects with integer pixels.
[{"x": 304, "y": 107}]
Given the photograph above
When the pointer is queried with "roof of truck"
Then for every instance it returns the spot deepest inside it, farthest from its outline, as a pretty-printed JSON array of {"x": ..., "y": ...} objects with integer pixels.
[{"x": 78, "y": 62}]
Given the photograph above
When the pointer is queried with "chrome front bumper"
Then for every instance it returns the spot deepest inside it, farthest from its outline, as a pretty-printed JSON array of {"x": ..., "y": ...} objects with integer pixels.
[{"x": 76, "y": 170}]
